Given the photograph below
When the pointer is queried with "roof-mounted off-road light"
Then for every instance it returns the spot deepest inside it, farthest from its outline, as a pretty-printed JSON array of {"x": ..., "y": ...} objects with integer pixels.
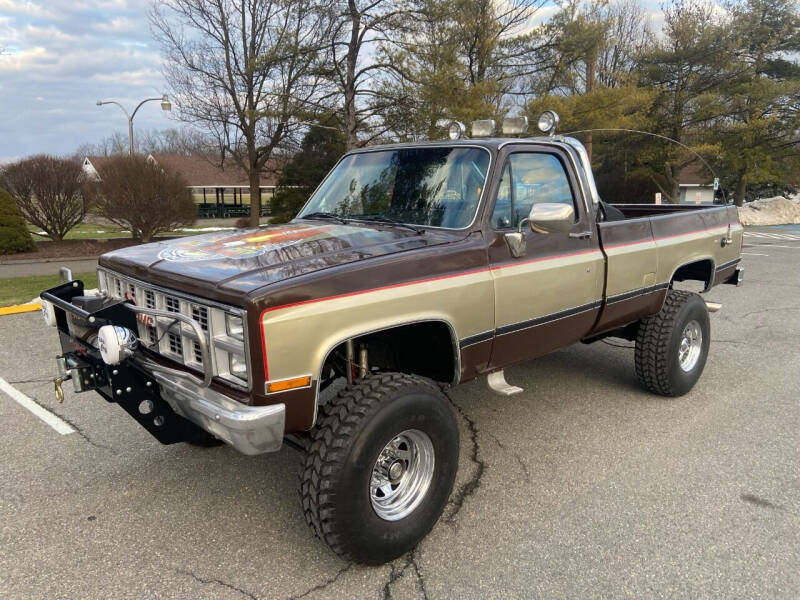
[
  {"x": 515, "y": 125},
  {"x": 483, "y": 128},
  {"x": 548, "y": 121},
  {"x": 455, "y": 129}
]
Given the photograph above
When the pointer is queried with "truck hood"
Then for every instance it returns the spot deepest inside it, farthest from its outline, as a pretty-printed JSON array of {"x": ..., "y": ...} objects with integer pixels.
[{"x": 238, "y": 262}]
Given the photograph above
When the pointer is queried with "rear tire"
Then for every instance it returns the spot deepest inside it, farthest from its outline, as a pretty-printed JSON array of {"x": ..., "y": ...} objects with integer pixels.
[
  {"x": 672, "y": 345},
  {"x": 380, "y": 467}
]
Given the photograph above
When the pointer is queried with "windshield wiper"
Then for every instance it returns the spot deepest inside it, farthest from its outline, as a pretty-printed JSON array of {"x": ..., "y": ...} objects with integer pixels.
[
  {"x": 324, "y": 215},
  {"x": 388, "y": 220}
]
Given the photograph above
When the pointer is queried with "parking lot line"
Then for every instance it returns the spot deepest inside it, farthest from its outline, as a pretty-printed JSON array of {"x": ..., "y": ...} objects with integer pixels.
[{"x": 45, "y": 415}]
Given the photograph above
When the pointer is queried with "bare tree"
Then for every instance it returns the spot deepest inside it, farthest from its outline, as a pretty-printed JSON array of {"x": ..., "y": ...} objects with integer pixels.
[
  {"x": 363, "y": 32},
  {"x": 183, "y": 140},
  {"x": 243, "y": 71},
  {"x": 47, "y": 191},
  {"x": 141, "y": 196}
]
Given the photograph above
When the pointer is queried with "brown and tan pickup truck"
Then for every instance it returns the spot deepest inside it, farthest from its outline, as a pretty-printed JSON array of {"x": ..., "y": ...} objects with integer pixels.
[{"x": 412, "y": 267}]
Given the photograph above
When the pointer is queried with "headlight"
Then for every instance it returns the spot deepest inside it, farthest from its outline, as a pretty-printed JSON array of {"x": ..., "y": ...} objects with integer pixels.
[
  {"x": 238, "y": 366},
  {"x": 234, "y": 326}
]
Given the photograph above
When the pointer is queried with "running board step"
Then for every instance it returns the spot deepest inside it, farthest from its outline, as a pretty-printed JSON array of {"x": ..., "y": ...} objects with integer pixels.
[{"x": 498, "y": 384}]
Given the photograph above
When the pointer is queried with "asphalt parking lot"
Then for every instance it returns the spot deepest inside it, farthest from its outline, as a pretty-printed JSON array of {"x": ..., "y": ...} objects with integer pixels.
[{"x": 583, "y": 486}]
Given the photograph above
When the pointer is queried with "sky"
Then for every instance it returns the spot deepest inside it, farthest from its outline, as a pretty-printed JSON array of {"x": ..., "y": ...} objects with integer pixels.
[{"x": 60, "y": 56}]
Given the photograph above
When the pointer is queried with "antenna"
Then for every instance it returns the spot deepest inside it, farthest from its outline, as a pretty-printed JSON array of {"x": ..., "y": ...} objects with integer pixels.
[{"x": 655, "y": 135}]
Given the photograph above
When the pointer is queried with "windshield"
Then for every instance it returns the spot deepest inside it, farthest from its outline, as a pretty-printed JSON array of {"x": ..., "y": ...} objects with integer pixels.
[{"x": 420, "y": 186}]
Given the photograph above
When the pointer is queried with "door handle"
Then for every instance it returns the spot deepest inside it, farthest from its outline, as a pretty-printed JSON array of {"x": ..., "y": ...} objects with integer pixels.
[{"x": 581, "y": 235}]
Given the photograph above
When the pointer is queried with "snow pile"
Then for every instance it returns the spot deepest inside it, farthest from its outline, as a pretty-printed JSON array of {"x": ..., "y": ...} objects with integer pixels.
[
  {"x": 202, "y": 229},
  {"x": 771, "y": 211}
]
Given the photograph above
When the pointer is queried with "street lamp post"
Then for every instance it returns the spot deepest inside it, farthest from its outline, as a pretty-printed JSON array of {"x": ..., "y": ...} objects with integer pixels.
[{"x": 165, "y": 105}]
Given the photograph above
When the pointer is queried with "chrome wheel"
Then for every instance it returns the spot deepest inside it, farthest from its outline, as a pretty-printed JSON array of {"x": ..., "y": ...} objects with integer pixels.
[
  {"x": 691, "y": 346},
  {"x": 402, "y": 475}
]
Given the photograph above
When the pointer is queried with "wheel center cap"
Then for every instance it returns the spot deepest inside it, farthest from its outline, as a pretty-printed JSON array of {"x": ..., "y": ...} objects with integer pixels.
[{"x": 396, "y": 470}]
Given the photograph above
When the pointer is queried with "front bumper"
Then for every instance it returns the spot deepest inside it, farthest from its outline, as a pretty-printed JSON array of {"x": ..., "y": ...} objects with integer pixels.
[
  {"x": 169, "y": 403},
  {"x": 249, "y": 429}
]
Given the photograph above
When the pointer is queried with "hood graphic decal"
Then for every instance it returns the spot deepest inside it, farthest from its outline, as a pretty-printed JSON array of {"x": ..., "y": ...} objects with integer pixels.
[{"x": 247, "y": 244}]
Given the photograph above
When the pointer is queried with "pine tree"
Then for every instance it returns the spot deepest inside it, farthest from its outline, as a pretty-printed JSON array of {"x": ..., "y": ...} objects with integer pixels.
[
  {"x": 14, "y": 235},
  {"x": 759, "y": 136}
]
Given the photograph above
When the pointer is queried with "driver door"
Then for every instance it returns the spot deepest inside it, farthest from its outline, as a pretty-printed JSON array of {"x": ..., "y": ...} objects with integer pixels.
[{"x": 550, "y": 297}]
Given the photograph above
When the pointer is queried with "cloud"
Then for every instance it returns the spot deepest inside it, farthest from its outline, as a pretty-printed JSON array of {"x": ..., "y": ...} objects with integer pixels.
[{"x": 60, "y": 57}]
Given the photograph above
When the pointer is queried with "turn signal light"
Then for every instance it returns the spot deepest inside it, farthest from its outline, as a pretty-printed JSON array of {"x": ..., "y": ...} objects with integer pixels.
[{"x": 288, "y": 384}]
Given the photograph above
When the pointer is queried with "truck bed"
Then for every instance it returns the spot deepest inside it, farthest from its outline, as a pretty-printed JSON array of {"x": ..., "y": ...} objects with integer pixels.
[{"x": 658, "y": 244}]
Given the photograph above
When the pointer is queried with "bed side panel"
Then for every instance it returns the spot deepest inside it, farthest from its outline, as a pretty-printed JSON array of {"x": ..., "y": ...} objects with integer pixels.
[{"x": 688, "y": 237}]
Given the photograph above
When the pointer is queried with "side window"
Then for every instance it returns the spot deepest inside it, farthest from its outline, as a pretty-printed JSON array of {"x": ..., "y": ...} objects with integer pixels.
[{"x": 529, "y": 178}]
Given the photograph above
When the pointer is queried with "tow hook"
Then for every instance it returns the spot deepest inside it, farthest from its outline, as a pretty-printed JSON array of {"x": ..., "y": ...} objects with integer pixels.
[{"x": 59, "y": 389}]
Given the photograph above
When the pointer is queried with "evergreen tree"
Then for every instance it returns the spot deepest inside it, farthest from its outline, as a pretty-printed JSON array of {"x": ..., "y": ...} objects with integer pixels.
[
  {"x": 759, "y": 136},
  {"x": 14, "y": 235},
  {"x": 686, "y": 69},
  {"x": 321, "y": 148}
]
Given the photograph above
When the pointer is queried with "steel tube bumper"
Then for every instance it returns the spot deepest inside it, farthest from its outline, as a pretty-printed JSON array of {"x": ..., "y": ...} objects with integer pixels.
[{"x": 249, "y": 429}]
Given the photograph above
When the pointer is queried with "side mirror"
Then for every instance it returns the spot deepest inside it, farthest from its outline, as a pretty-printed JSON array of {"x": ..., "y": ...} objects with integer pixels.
[
  {"x": 550, "y": 217},
  {"x": 547, "y": 217}
]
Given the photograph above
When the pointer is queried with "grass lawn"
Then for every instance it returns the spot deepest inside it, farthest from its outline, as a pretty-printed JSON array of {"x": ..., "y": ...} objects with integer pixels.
[
  {"x": 85, "y": 231},
  {"x": 94, "y": 231},
  {"x": 18, "y": 290}
]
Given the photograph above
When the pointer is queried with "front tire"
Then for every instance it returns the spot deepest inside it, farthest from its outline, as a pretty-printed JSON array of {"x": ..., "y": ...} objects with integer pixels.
[
  {"x": 380, "y": 467},
  {"x": 672, "y": 345}
]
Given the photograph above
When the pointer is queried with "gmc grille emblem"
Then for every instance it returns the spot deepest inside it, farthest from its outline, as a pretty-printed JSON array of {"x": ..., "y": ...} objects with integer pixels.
[{"x": 147, "y": 320}]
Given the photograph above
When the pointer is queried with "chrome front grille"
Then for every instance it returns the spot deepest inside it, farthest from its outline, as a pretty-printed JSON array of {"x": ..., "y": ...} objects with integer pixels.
[
  {"x": 172, "y": 304},
  {"x": 175, "y": 345},
  {"x": 173, "y": 339},
  {"x": 200, "y": 314}
]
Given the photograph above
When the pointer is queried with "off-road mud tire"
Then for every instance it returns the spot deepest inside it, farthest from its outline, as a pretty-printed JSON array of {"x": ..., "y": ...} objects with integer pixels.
[
  {"x": 351, "y": 431},
  {"x": 658, "y": 341}
]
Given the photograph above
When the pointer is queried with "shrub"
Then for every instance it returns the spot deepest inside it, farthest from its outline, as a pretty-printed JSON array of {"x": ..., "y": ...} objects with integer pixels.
[
  {"x": 14, "y": 235},
  {"x": 141, "y": 196},
  {"x": 47, "y": 190}
]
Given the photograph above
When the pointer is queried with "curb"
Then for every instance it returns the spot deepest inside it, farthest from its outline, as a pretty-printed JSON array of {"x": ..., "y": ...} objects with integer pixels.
[{"x": 20, "y": 308}]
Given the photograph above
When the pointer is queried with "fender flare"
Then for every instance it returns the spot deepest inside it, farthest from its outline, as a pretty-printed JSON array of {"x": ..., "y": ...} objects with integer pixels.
[{"x": 453, "y": 340}]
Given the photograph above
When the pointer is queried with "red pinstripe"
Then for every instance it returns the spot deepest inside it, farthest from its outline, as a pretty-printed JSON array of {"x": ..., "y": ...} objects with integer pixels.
[{"x": 451, "y": 276}]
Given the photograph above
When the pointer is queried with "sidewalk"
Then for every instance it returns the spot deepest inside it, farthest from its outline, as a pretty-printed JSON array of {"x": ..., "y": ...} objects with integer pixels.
[{"x": 46, "y": 266}]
